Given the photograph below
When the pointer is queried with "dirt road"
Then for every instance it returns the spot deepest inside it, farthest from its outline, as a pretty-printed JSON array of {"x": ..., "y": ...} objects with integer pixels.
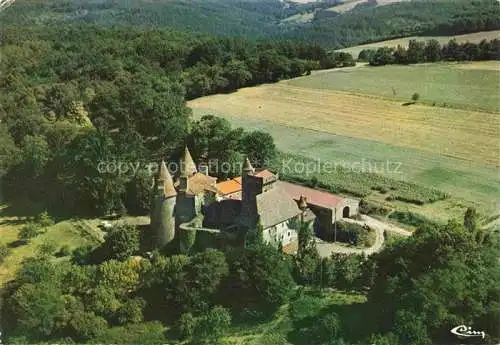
[{"x": 326, "y": 249}]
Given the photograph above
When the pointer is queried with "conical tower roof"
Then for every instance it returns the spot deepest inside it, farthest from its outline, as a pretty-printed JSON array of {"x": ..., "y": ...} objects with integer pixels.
[
  {"x": 188, "y": 167},
  {"x": 247, "y": 166},
  {"x": 165, "y": 180},
  {"x": 303, "y": 203}
]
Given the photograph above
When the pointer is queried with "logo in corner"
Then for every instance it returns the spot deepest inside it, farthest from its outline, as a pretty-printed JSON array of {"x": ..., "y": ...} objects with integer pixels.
[{"x": 467, "y": 332}]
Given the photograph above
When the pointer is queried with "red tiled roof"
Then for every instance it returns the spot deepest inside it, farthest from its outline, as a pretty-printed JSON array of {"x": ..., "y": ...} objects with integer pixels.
[
  {"x": 234, "y": 185},
  {"x": 314, "y": 196},
  {"x": 228, "y": 187},
  {"x": 265, "y": 174}
]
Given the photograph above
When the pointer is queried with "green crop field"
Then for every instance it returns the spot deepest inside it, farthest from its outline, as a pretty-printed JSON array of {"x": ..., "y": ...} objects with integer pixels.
[
  {"x": 473, "y": 38},
  {"x": 466, "y": 85}
]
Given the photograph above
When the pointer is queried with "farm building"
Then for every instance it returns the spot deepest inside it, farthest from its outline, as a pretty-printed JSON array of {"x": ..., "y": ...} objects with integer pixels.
[
  {"x": 195, "y": 202},
  {"x": 326, "y": 207}
]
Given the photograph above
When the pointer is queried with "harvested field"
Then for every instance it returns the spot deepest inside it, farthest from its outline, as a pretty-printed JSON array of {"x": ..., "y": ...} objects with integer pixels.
[{"x": 432, "y": 129}]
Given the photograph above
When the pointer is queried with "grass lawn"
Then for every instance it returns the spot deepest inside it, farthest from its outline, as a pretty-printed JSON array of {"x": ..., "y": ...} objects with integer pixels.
[
  {"x": 475, "y": 37},
  {"x": 471, "y": 85},
  {"x": 346, "y": 305},
  {"x": 74, "y": 233}
]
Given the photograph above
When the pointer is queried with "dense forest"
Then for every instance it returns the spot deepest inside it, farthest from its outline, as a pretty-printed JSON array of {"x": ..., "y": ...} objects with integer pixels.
[
  {"x": 369, "y": 24},
  {"x": 262, "y": 18},
  {"x": 77, "y": 95}
]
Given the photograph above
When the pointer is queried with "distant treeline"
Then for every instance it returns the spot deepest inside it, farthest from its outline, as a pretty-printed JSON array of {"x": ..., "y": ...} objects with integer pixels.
[
  {"x": 432, "y": 51},
  {"x": 370, "y": 23},
  {"x": 256, "y": 19}
]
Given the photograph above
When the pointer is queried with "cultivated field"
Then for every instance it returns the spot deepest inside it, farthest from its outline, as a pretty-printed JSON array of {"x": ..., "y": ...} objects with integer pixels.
[
  {"x": 350, "y": 4},
  {"x": 472, "y": 85},
  {"x": 448, "y": 148},
  {"x": 473, "y": 38}
]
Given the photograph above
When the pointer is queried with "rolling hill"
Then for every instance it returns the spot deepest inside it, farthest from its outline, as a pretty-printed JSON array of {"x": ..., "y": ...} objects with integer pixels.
[{"x": 268, "y": 18}]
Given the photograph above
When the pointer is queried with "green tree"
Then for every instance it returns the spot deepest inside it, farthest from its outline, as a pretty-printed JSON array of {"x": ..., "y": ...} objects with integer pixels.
[
  {"x": 259, "y": 279},
  {"x": 131, "y": 311},
  {"x": 383, "y": 56},
  {"x": 432, "y": 51},
  {"x": 89, "y": 174},
  {"x": 237, "y": 74},
  {"x": 366, "y": 54},
  {"x": 44, "y": 220},
  {"x": 151, "y": 332},
  {"x": 29, "y": 231},
  {"x": 87, "y": 326},
  {"x": 122, "y": 241},
  {"x": 102, "y": 301},
  {"x": 259, "y": 147},
  {"x": 4, "y": 252},
  {"x": 326, "y": 328},
  {"x": 210, "y": 137},
  {"x": 416, "y": 51},
  {"x": 39, "y": 270},
  {"x": 415, "y": 97},
  {"x": 47, "y": 248},
  {"x": 210, "y": 327},
  {"x": 307, "y": 255},
  {"x": 471, "y": 219},
  {"x": 201, "y": 279},
  {"x": 9, "y": 153},
  {"x": 453, "y": 284},
  {"x": 36, "y": 154},
  {"x": 36, "y": 308},
  {"x": 401, "y": 55},
  {"x": 187, "y": 324},
  {"x": 121, "y": 276}
]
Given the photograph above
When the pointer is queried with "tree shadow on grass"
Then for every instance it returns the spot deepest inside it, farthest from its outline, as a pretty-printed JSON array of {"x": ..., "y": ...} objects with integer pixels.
[
  {"x": 16, "y": 221},
  {"x": 16, "y": 244}
]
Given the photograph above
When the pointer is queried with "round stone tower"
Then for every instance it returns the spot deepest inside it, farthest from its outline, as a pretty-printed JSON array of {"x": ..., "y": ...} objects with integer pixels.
[{"x": 163, "y": 210}]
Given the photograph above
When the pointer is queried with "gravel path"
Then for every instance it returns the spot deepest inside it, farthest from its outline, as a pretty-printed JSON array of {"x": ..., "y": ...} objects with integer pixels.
[{"x": 326, "y": 249}]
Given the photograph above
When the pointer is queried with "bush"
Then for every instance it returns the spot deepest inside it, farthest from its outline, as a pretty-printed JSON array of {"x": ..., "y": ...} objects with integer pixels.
[
  {"x": 29, "y": 231},
  {"x": 415, "y": 97},
  {"x": 4, "y": 252},
  {"x": 355, "y": 234},
  {"x": 272, "y": 339},
  {"x": 210, "y": 327},
  {"x": 87, "y": 325},
  {"x": 187, "y": 324},
  {"x": 81, "y": 255},
  {"x": 367, "y": 207},
  {"x": 144, "y": 333},
  {"x": 305, "y": 306},
  {"x": 326, "y": 328},
  {"x": 122, "y": 242},
  {"x": 47, "y": 248},
  {"x": 410, "y": 218},
  {"x": 44, "y": 220},
  {"x": 131, "y": 311}
]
